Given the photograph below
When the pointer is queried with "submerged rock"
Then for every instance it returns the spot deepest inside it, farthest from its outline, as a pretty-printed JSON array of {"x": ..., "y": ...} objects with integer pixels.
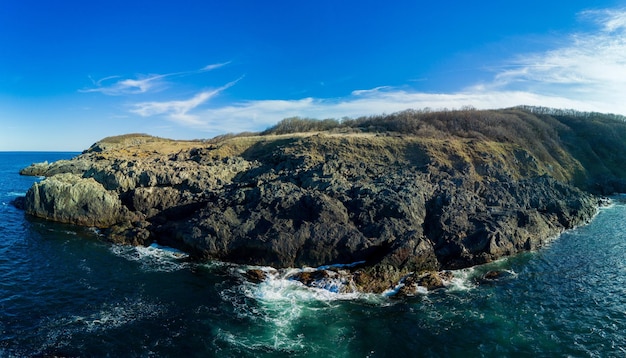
[
  {"x": 256, "y": 275},
  {"x": 415, "y": 283},
  {"x": 336, "y": 281},
  {"x": 495, "y": 275},
  {"x": 19, "y": 202}
]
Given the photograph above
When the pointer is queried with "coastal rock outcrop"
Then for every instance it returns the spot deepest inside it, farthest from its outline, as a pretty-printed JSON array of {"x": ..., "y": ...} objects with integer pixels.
[
  {"x": 392, "y": 204},
  {"x": 72, "y": 199}
]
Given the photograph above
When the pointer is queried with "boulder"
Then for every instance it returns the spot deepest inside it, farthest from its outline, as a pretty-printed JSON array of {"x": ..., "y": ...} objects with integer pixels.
[
  {"x": 69, "y": 198},
  {"x": 415, "y": 283}
]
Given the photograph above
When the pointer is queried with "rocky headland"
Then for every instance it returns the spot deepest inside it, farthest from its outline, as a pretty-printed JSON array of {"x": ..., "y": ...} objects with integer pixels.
[{"x": 397, "y": 197}]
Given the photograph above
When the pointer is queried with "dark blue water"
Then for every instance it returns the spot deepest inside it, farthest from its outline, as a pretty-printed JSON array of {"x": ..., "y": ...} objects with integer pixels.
[{"x": 65, "y": 292}]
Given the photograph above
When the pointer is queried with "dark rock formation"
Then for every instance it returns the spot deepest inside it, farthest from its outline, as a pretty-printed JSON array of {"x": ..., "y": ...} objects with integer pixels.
[
  {"x": 333, "y": 280},
  {"x": 494, "y": 276},
  {"x": 429, "y": 281},
  {"x": 398, "y": 204},
  {"x": 72, "y": 199}
]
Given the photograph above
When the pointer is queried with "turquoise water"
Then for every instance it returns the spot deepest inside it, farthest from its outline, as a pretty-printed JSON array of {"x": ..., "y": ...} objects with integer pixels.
[{"x": 65, "y": 292}]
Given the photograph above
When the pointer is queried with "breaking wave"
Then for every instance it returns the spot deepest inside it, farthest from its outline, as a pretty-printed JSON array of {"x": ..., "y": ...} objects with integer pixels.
[
  {"x": 286, "y": 309},
  {"x": 68, "y": 334},
  {"x": 154, "y": 257}
]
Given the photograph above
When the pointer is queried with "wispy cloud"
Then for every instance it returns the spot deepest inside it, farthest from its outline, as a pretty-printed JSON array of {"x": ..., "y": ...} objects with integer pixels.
[
  {"x": 590, "y": 67},
  {"x": 587, "y": 71},
  {"x": 258, "y": 115},
  {"x": 117, "y": 85},
  {"x": 610, "y": 19},
  {"x": 179, "y": 110},
  {"x": 214, "y": 66}
]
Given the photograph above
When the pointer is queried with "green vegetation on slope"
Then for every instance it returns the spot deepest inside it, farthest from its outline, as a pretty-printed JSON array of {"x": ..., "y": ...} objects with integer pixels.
[
  {"x": 587, "y": 149},
  {"x": 583, "y": 148}
]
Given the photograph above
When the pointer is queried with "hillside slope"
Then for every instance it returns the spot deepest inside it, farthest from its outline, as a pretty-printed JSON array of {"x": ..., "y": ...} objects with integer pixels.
[{"x": 409, "y": 192}]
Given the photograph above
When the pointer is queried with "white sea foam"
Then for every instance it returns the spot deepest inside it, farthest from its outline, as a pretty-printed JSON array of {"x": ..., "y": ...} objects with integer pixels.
[
  {"x": 272, "y": 341},
  {"x": 283, "y": 304},
  {"x": 96, "y": 231},
  {"x": 115, "y": 315},
  {"x": 470, "y": 278},
  {"x": 154, "y": 257},
  {"x": 59, "y": 330},
  {"x": 420, "y": 290},
  {"x": 462, "y": 280},
  {"x": 282, "y": 285},
  {"x": 283, "y": 289},
  {"x": 161, "y": 250},
  {"x": 278, "y": 304}
]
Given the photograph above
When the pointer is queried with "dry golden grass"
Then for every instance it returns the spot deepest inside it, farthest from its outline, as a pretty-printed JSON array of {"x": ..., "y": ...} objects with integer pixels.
[{"x": 454, "y": 153}]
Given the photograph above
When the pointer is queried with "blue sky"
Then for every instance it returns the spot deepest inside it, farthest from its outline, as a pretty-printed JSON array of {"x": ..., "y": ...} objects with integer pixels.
[{"x": 73, "y": 72}]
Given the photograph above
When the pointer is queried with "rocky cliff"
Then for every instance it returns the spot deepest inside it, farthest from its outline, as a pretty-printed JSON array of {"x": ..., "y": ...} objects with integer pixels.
[{"x": 393, "y": 202}]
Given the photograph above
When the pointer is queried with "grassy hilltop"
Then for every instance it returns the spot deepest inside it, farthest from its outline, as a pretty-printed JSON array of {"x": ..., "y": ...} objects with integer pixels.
[{"x": 581, "y": 148}]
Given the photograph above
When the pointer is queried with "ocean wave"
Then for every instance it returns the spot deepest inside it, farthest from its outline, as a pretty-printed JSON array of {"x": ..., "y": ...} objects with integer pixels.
[
  {"x": 281, "y": 309},
  {"x": 472, "y": 277},
  {"x": 276, "y": 305},
  {"x": 113, "y": 316},
  {"x": 332, "y": 284},
  {"x": 276, "y": 309},
  {"x": 154, "y": 257},
  {"x": 463, "y": 280},
  {"x": 59, "y": 332},
  {"x": 275, "y": 343},
  {"x": 391, "y": 292}
]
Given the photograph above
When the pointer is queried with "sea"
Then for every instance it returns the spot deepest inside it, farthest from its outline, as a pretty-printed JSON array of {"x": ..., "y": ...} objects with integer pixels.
[{"x": 66, "y": 292}]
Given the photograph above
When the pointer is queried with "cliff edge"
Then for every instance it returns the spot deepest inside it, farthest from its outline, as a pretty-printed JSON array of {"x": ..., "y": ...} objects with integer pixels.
[{"x": 399, "y": 194}]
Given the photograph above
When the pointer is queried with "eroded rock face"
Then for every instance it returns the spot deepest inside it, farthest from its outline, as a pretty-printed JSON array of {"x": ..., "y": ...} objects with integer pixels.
[
  {"x": 398, "y": 205},
  {"x": 502, "y": 218},
  {"x": 72, "y": 199}
]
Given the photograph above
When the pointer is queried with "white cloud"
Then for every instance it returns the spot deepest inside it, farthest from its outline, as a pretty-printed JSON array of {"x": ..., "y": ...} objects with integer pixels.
[
  {"x": 258, "y": 115},
  {"x": 587, "y": 72},
  {"x": 139, "y": 85},
  {"x": 610, "y": 19},
  {"x": 373, "y": 90},
  {"x": 178, "y": 111},
  {"x": 590, "y": 67},
  {"x": 214, "y": 66},
  {"x": 142, "y": 83}
]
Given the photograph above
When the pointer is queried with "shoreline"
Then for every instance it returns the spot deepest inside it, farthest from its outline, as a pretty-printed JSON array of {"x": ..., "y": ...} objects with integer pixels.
[{"x": 422, "y": 201}]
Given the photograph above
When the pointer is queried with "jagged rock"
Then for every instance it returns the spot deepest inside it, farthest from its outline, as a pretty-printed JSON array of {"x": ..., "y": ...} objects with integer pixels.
[
  {"x": 308, "y": 278},
  {"x": 429, "y": 281},
  {"x": 398, "y": 204},
  {"x": 19, "y": 202},
  {"x": 71, "y": 199},
  {"x": 46, "y": 169},
  {"x": 494, "y": 276},
  {"x": 255, "y": 275},
  {"x": 36, "y": 169},
  {"x": 337, "y": 281}
]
